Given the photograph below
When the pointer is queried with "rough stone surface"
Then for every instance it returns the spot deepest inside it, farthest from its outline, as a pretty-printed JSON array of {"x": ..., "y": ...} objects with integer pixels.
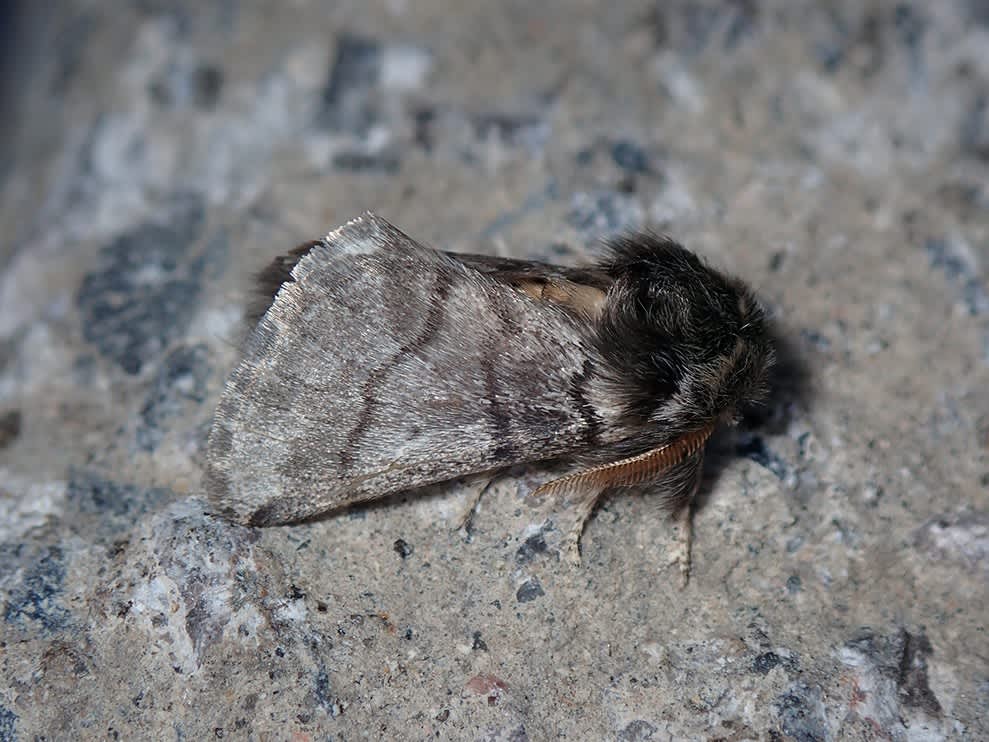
[{"x": 836, "y": 154}]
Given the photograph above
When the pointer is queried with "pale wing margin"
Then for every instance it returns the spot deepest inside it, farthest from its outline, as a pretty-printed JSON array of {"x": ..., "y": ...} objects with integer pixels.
[{"x": 385, "y": 365}]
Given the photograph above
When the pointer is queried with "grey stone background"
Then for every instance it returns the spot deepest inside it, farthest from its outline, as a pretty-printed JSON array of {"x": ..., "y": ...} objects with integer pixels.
[{"x": 156, "y": 153}]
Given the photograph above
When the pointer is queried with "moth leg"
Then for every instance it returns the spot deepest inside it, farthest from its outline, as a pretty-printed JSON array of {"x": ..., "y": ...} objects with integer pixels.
[
  {"x": 584, "y": 507},
  {"x": 680, "y": 553},
  {"x": 478, "y": 486},
  {"x": 675, "y": 466}
]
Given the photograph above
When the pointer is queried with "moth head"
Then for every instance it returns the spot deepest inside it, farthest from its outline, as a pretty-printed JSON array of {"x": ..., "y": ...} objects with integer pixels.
[
  {"x": 739, "y": 377},
  {"x": 691, "y": 343}
]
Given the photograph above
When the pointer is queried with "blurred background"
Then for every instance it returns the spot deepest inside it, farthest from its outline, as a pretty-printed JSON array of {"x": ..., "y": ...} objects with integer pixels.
[{"x": 155, "y": 154}]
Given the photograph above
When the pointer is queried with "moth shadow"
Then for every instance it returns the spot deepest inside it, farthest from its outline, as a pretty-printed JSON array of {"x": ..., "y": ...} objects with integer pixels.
[
  {"x": 791, "y": 396},
  {"x": 791, "y": 389}
]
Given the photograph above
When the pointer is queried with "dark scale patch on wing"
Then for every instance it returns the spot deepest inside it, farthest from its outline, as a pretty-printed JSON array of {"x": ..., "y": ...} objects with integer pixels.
[
  {"x": 577, "y": 392},
  {"x": 143, "y": 291},
  {"x": 274, "y": 275},
  {"x": 501, "y": 422},
  {"x": 370, "y": 390},
  {"x": 509, "y": 322}
]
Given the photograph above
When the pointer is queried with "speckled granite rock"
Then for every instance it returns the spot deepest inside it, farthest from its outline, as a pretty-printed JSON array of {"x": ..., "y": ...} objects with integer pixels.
[{"x": 836, "y": 154}]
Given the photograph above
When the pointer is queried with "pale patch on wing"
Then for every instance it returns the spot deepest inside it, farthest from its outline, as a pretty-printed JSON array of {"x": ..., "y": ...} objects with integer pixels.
[{"x": 586, "y": 301}]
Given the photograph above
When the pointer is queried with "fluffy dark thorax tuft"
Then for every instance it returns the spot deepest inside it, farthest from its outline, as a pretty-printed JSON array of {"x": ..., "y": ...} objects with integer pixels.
[{"x": 683, "y": 342}]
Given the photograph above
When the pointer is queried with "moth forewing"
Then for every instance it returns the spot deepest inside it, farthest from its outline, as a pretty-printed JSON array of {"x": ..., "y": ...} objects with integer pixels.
[{"x": 389, "y": 366}]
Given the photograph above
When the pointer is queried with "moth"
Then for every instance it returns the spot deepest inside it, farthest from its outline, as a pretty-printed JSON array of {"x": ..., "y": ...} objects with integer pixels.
[{"x": 380, "y": 365}]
